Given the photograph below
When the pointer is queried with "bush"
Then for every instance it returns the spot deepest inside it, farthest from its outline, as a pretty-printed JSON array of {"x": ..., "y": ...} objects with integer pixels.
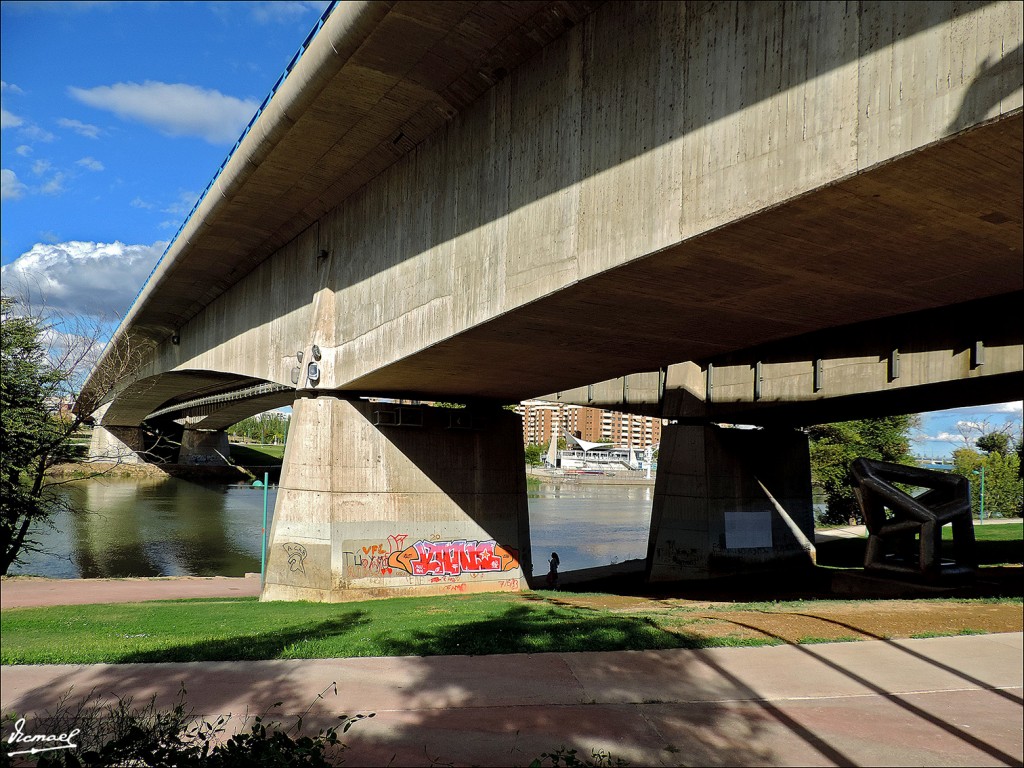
[{"x": 122, "y": 734}]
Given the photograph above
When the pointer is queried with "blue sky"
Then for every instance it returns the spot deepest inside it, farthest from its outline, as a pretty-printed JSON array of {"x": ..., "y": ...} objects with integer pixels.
[{"x": 116, "y": 116}]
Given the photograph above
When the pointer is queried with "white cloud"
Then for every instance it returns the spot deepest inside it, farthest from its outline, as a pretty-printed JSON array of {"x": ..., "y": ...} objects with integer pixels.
[
  {"x": 82, "y": 278},
  {"x": 33, "y": 131},
  {"x": 176, "y": 109},
  {"x": 284, "y": 11},
  {"x": 9, "y": 119},
  {"x": 39, "y": 167},
  {"x": 82, "y": 129},
  {"x": 942, "y": 437},
  {"x": 90, "y": 163},
  {"x": 55, "y": 185},
  {"x": 1016, "y": 407},
  {"x": 5, "y": 86},
  {"x": 24, "y": 150},
  {"x": 183, "y": 205},
  {"x": 10, "y": 187},
  {"x": 138, "y": 202}
]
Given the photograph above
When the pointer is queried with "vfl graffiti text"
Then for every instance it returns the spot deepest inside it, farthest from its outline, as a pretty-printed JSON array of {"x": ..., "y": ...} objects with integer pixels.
[{"x": 454, "y": 558}]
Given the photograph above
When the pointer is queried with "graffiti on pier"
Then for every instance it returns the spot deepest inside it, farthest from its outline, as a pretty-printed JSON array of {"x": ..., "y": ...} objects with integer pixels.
[
  {"x": 448, "y": 561},
  {"x": 296, "y": 556},
  {"x": 374, "y": 557},
  {"x": 454, "y": 558}
]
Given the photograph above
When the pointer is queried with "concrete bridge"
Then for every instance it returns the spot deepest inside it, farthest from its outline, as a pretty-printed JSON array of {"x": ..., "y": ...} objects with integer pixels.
[{"x": 484, "y": 202}]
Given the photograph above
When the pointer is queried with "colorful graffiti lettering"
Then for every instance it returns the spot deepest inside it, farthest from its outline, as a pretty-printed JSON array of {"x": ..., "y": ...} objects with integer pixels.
[
  {"x": 454, "y": 558},
  {"x": 375, "y": 556}
]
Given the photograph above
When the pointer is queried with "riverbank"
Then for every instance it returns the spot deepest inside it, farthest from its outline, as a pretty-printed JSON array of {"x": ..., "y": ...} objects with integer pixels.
[
  {"x": 197, "y": 472},
  {"x": 580, "y": 477}
]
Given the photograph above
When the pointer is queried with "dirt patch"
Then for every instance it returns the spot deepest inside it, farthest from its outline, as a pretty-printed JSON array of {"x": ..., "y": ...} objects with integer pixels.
[{"x": 814, "y": 620}]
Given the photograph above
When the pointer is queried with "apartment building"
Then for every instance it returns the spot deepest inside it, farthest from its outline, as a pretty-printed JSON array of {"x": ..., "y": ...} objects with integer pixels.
[{"x": 542, "y": 418}]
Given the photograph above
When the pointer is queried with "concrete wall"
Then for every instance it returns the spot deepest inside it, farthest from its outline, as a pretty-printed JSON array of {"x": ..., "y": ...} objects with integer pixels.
[{"x": 700, "y": 114}]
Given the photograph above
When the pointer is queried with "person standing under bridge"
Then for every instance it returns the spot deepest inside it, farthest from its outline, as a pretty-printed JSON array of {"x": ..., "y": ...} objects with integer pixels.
[{"x": 553, "y": 564}]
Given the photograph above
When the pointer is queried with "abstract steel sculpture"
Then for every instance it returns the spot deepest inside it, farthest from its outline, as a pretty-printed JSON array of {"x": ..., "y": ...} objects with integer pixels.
[{"x": 904, "y": 531}]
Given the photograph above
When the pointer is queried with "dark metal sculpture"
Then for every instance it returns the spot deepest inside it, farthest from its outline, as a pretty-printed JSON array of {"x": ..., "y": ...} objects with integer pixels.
[{"x": 904, "y": 531}]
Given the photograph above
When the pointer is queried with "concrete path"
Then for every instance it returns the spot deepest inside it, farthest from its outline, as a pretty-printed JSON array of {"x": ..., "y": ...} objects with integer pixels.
[
  {"x": 940, "y": 701},
  {"x": 24, "y": 592}
]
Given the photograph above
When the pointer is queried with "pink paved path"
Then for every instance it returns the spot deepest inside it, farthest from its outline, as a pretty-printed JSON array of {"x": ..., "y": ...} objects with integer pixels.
[
  {"x": 939, "y": 701},
  {"x": 22, "y": 592}
]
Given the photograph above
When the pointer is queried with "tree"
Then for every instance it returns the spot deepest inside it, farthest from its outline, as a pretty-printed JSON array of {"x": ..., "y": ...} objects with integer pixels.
[
  {"x": 44, "y": 362},
  {"x": 1004, "y": 489},
  {"x": 835, "y": 446},
  {"x": 994, "y": 442},
  {"x": 534, "y": 454},
  {"x": 264, "y": 428}
]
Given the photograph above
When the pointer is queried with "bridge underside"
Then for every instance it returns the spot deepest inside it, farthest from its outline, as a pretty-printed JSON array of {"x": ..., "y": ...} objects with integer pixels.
[
  {"x": 466, "y": 201},
  {"x": 937, "y": 227},
  {"x": 966, "y": 354}
]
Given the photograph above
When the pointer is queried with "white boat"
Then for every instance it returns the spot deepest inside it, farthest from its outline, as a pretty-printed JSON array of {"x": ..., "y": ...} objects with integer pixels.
[{"x": 606, "y": 457}]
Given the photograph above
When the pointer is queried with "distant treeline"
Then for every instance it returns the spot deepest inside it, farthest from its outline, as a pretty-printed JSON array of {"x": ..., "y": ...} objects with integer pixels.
[{"x": 266, "y": 428}]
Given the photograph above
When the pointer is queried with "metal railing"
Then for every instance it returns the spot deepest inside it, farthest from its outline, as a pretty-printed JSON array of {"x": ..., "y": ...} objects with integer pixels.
[{"x": 224, "y": 397}]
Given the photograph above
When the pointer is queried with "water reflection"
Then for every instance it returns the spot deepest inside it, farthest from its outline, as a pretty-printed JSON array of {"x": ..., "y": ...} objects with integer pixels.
[
  {"x": 153, "y": 527},
  {"x": 589, "y": 525},
  {"x": 168, "y": 527}
]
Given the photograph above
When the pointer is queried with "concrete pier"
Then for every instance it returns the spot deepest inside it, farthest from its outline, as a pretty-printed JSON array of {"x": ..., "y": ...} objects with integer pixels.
[
  {"x": 711, "y": 517},
  {"x": 116, "y": 444},
  {"x": 202, "y": 446},
  {"x": 381, "y": 500}
]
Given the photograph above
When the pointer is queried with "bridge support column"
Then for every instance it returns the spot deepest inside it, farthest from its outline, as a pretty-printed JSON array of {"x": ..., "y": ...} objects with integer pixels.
[
  {"x": 381, "y": 500},
  {"x": 199, "y": 446},
  {"x": 116, "y": 444},
  {"x": 712, "y": 518}
]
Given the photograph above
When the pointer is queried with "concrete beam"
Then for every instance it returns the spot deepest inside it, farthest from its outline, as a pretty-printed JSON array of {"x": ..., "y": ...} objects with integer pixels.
[
  {"x": 968, "y": 354},
  {"x": 610, "y": 206}
]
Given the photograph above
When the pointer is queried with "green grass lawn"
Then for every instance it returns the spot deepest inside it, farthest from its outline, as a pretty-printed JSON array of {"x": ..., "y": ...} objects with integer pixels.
[
  {"x": 536, "y": 622},
  {"x": 244, "y": 628},
  {"x": 257, "y": 455},
  {"x": 996, "y": 544},
  {"x": 208, "y": 629}
]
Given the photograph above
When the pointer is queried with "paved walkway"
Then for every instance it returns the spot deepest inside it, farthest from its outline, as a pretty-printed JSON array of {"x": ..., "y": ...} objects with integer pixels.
[
  {"x": 939, "y": 701},
  {"x": 23, "y": 592}
]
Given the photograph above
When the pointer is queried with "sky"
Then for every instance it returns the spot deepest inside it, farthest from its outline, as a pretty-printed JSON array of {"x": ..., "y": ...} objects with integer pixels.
[{"x": 116, "y": 115}]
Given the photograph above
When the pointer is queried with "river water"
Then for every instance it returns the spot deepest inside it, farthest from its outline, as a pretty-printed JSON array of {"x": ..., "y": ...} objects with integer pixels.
[{"x": 171, "y": 527}]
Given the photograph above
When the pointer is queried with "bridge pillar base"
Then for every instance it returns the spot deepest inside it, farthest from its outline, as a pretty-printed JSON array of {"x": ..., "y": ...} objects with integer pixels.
[
  {"x": 116, "y": 444},
  {"x": 711, "y": 518},
  {"x": 381, "y": 500},
  {"x": 209, "y": 447}
]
